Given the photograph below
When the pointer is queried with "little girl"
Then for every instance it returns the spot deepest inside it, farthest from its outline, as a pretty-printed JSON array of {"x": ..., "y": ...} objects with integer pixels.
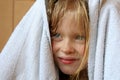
[{"x": 69, "y": 27}]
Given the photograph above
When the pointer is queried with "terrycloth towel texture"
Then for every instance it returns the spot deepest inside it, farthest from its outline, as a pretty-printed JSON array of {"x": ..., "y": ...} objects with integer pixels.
[
  {"x": 27, "y": 54},
  {"x": 104, "y": 57}
]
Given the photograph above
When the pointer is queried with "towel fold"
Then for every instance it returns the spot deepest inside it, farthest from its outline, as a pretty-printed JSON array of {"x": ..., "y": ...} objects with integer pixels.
[
  {"x": 27, "y": 54},
  {"x": 104, "y": 54}
]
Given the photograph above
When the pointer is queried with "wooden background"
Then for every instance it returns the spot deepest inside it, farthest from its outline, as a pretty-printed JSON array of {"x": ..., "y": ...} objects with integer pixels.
[{"x": 11, "y": 12}]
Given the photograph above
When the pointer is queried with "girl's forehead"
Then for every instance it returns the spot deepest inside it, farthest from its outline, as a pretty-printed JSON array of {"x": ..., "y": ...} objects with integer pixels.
[
  {"x": 70, "y": 19},
  {"x": 69, "y": 22}
]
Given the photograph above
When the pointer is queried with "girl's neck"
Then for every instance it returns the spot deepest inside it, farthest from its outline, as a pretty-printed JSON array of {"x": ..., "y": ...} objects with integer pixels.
[
  {"x": 63, "y": 76},
  {"x": 83, "y": 75}
]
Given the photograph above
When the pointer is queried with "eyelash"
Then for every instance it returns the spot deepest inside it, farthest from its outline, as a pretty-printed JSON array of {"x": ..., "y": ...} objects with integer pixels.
[
  {"x": 80, "y": 37},
  {"x": 56, "y": 35}
]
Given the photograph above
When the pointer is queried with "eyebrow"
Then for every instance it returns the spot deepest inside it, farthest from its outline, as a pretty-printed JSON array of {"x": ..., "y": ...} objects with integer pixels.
[{"x": 80, "y": 33}]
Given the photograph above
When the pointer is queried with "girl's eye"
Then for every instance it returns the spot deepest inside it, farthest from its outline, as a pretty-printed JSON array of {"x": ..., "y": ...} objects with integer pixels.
[
  {"x": 56, "y": 35},
  {"x": 80, "y": 37}
]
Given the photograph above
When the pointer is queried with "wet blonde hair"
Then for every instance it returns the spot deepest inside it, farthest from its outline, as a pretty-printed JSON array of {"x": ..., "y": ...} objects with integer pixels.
[{"x": 57, "y": 9}]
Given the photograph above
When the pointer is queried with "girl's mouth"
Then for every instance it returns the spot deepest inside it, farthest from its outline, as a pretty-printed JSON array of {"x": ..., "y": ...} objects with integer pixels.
[{"x": 67, "y": 60}]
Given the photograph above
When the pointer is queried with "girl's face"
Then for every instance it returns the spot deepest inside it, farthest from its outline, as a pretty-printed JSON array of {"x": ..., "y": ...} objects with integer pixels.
[{"x": 68, "y": 44}]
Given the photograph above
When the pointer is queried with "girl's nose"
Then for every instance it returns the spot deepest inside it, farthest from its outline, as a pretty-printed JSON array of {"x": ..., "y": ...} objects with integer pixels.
[{"x": 68, "y": 47}]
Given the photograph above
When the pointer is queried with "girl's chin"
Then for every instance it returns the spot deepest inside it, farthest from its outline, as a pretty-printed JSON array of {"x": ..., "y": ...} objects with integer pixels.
[{"x": 68, "y": 71}]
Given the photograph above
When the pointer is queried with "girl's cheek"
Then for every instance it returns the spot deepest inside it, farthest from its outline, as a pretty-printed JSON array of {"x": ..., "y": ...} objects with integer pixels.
[
  {"x": 54, "y": 47},
  {"x": 82, "y": 50}
]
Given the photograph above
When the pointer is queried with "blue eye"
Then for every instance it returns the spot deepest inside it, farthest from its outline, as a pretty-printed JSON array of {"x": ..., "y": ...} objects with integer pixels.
[
  {"x": 80, "y": 37},
  {"x": 56, "y": 35}
]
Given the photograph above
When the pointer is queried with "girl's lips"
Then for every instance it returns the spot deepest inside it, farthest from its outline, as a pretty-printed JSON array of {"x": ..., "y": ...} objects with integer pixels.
[{"x": 67, "y": 60}]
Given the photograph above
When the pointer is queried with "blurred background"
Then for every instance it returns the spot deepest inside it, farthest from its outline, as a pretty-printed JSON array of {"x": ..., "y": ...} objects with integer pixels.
[{"x": 11, "y": 12}]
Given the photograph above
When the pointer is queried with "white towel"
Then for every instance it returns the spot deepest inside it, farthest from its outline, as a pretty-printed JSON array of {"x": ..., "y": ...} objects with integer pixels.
[
  {"x": 27, "y": 54},
  {"x": 104, "y": 58},
  {"x": 94, "y": 8}
]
